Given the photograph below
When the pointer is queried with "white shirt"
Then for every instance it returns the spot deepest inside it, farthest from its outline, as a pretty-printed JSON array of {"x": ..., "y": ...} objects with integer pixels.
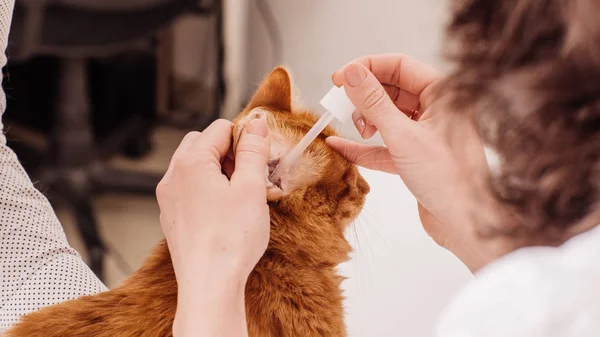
[
  {"x": 532, "y": 292},
  {"x": 37, "y": 266}
]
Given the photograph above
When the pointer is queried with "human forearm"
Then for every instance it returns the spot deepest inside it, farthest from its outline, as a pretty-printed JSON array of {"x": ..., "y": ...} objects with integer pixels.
[
  {"x": 217, "y": 226},
  {"x": 211, "y": 307}
]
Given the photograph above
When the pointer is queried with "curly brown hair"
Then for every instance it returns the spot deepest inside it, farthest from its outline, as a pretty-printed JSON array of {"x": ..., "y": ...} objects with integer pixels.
[{"x": 530, "y": 71}]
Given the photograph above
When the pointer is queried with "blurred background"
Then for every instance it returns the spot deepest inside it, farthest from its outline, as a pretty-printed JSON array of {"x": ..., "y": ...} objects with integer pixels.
[{"x": 100, "y": 93}]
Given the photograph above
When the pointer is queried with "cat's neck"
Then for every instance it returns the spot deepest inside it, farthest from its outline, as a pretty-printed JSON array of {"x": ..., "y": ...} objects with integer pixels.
[
  {"x": 308, "y": 240},
  {"x": 296, "y": 283}
]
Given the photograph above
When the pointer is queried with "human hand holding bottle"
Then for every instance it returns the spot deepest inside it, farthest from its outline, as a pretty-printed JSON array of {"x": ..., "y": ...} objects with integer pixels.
[{"x": 396, "y": 95}]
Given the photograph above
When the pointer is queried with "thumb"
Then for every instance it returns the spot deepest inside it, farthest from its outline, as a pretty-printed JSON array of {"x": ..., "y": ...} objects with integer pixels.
[
  {"x": 372, "y": 101},
  {"x": 252, "y": 154}
]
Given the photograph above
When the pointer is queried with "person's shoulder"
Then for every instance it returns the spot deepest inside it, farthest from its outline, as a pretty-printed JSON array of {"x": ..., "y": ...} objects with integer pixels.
[{"x": 538, "y": 291}]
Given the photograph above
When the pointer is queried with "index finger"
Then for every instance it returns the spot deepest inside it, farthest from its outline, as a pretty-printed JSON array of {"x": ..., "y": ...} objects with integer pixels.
[
  {"x": 210, "y": 147},
  {"x": 216, "y": 138},
  {"x": 409, "y": 75}
]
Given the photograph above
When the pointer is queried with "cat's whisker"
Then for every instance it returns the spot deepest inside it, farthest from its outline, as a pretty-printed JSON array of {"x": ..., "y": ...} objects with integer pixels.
[
  {"x": 346, "y": 152},
  {"x": 355, "y": 155},
  {"x": 365, "y": 238},
  {"x": 356, "y": 243},
  {"x": 377, "y": 161},
  {"x": 358, "y": 158},
  {"x": 366, "y": 274},
  {"x": 358, "y": 253},
  {"x": 372, "y": 225}
]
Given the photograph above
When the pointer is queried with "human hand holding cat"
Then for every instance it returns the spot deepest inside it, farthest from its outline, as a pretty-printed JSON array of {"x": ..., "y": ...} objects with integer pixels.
[
  {"x": 217, "y": 228},
  {"x": 394, "y": 94}
]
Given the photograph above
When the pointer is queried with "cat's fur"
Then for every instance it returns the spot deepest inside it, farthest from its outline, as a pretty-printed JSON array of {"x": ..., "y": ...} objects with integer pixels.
[{"x": 294, "y": 289}]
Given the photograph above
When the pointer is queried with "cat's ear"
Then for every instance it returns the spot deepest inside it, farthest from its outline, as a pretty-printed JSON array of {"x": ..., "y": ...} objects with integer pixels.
[{"x": 274, "y": 92}]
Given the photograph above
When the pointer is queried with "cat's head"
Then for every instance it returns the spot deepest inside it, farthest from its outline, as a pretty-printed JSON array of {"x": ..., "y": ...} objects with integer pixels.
[{"x": 320, "y": 182}]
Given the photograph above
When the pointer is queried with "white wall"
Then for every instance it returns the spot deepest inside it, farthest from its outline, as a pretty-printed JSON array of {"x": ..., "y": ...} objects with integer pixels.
[
  {"x": 399, "y": 279},
  {"x": 319, "y": 36}
]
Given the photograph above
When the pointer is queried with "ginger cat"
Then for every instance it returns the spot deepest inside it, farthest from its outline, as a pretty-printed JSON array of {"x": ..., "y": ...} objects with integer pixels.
[{"x": 293, "y": 291}]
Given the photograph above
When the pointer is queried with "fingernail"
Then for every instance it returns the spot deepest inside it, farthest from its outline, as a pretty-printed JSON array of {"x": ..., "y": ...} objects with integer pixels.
[
  {"x": 355, "y": 74},
  {"x": 336, "y": 76},
  {"x": 257, "y": 127},
  {"x": 361, "y": 124}
]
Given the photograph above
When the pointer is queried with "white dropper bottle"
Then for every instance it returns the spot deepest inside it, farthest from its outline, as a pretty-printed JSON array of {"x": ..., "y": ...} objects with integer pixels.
[{"x": 338, "y": 106}]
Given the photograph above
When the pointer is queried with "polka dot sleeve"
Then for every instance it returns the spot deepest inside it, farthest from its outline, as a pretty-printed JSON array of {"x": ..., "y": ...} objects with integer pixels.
[{"x": 37, "y": 266}]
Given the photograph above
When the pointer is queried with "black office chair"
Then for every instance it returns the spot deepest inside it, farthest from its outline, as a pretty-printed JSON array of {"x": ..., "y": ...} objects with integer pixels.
[{"x": 76, "y": 31}]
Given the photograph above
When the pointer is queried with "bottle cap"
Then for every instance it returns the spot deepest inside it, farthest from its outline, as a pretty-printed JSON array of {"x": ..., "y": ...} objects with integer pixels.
[{"x": 338, "y": 104}]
